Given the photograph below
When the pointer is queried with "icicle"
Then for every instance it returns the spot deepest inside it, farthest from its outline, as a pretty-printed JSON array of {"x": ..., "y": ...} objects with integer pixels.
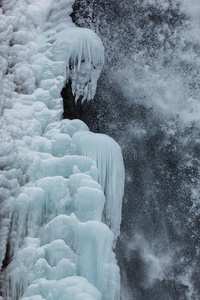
[{"x": 107, "y": 155}]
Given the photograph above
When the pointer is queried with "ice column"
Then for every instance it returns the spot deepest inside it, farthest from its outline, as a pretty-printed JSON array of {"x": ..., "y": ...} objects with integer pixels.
[{"x": 106, "y": 153}]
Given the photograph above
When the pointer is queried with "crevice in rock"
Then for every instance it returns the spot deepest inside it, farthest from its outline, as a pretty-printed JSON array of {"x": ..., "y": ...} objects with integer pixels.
[
  {"x": 72, "y": 109},
  {"x": 7, "y": 259},
  {"x": 78, "y": 109}
]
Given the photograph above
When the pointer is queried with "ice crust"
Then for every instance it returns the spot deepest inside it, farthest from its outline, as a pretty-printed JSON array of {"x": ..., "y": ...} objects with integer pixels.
[{"x": 58, "y": 181}]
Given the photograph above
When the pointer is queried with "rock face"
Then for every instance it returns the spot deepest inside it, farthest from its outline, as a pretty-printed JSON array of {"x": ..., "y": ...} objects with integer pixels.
[
  {"x": 147, "y": 99},
  {"x": 72, "y": 109}
]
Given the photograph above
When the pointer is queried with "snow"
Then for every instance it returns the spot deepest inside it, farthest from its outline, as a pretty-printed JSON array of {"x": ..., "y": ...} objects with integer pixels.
[{"x": 54, "y": 194}]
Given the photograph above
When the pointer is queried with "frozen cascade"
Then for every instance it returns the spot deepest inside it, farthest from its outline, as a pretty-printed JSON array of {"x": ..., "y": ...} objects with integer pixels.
[
  {"x": 53, "y": 244},
  {"x": 107, "y": 155},
  {"x": 151, "y": 82}
]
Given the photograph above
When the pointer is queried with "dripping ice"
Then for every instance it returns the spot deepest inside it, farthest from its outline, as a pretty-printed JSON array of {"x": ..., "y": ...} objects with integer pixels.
[
  {"x": 58, "y": 181},
  {"x": 83, "y": 51}
]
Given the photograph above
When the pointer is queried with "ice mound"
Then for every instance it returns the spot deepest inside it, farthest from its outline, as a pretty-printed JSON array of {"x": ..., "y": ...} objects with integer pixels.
[
  {"x": 54, "y": 195},
  {"x": 70, "y": 288}
]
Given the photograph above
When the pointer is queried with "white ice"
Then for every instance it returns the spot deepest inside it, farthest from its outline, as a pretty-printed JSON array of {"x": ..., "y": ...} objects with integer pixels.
[{"x": 54, "y": 193}]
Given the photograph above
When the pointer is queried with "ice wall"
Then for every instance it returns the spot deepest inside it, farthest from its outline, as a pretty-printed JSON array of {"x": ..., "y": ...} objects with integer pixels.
[
  {"x": 152, "y": 66},
  {"x": 53, "y": 244}
]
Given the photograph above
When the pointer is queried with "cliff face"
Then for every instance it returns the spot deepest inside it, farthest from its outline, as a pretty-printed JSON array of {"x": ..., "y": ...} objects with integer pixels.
[{"x": 148, "y": 100}]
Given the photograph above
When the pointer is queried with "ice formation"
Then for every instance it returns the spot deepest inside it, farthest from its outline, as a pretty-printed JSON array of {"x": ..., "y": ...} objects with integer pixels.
[
  {"x": 54, "y": 193},
  {"x": 107, "y": 155},
  {"x": 83, "y": 51}
]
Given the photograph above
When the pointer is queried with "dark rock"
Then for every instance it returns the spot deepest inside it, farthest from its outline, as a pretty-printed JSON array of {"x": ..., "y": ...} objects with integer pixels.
[{"x": 72, "y": 109}]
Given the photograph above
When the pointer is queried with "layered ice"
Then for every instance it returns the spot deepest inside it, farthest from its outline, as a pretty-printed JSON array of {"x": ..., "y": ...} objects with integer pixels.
[
  {"x": 83, "y": 51},
  {"x": 54, "y": 193},
  {"x": 106, "y": 154},
  {"x": 68, "y": 288}
]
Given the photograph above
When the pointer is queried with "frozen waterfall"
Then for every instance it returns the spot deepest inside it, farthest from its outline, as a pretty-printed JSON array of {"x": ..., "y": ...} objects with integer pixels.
[
  {"x": 54, "y": 193},
  {"x": 149, "y": 96}
]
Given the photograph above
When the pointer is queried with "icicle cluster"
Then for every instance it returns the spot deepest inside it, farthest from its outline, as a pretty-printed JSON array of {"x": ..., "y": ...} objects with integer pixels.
[
  {"x": 53, "y": 244},
  {"x": 83, "y": 52},
  {"x": 106, "y": 153},
  {"x": 80, "y": 48}
]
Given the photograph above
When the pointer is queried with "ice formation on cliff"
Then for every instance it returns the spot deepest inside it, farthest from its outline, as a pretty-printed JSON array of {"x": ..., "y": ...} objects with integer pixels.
[
  {"x": 53, "y": 244},
  {"x": 107, "y": 155}
]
